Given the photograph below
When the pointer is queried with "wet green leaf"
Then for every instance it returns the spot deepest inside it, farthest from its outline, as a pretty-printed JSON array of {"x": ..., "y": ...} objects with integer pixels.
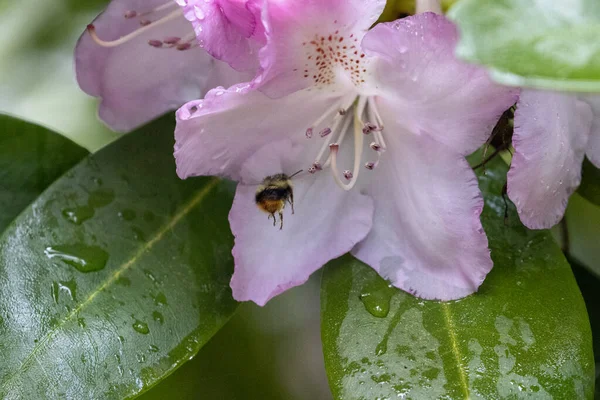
[
  {"x": 31, "y": 158},
  {"x": 103, "y": 303},
  {"x": 525, "y": 333},
  {"x": 547, "y": 44},
  {"x": 590, "y": 182}
]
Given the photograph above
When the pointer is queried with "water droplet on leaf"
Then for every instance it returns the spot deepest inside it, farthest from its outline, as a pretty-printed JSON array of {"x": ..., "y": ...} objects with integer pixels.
[
  {"x": 141, "y": 327},
  {"x": 78, "y": 215},
  {"x": 83, "y": 257}
]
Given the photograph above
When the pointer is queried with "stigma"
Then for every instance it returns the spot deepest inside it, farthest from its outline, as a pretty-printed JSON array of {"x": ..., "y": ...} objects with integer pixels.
[
  {"x": 356, "y": 114},
  {"x": 147, "y": 21}
]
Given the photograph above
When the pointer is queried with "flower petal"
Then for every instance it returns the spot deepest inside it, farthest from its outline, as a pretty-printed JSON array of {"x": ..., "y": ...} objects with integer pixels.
[
  {"x": 230, "y": 30},
  {"x": 593, "y": 148},
  {"x": 437, "y": 94},
  {"x": 296, "y": 30},
  {"x": 137, "y": 82},
  {"x": 427, "y": 238},
  {"x": 216, "y": 135},
  {"x": 326, "y": 224},
  {"x": 550, "y": 137}
]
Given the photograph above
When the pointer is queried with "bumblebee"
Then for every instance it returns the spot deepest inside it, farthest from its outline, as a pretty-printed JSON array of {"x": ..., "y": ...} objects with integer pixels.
[{"x": 274, "y": 193}]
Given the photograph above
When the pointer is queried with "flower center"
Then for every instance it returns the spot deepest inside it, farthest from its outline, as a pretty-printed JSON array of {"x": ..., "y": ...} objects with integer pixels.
[
  {"x": 149, "y": 20},
  {"x": 361, "y": 113},
  {"x": 326, "y": 55}
]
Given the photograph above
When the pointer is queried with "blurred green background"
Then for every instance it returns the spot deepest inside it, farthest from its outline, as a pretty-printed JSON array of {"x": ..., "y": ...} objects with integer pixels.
[{"x": 263, "y": 353}]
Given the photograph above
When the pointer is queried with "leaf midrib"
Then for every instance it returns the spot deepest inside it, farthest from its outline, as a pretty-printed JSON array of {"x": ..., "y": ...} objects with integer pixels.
[
  {"x": 186, "y": 209},
  {"x": 455, "y": 349}
]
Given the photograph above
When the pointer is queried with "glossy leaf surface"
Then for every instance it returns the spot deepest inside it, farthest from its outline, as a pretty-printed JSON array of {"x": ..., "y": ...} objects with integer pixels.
[
  {"x": 525, "y": 333},
  {"x": 115, "y": 276},
  {"x": 31, "y": 158},
  {"x": 547, "y": 44}
]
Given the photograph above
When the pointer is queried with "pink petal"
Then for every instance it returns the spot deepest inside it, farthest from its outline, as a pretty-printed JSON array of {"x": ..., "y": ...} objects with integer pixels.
[
  {"x": 135, "y": 81},
  {"x": 297, "y": 29},
  {"x": 326, "y": 224},
  {"x": 427, "y": 238},
  {"x": 550, "y": 137},
  {"x": 229, "y": 30},
  {"x": 435, "y": 93},
  {"x": 216, "y": 135},
  {"x": 593, "y": 147}
]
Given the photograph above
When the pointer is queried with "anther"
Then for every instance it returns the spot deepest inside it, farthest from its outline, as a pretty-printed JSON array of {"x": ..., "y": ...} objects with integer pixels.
[
  {"x": 334, "y": 147},
  {"x": 183, "y": 46},
  {"x": 130, "y": 14},
  {"x": 325, "y": 132},
  {"x": 348, "y": 174},
  {"x": 309, "y": 133},
  {"x": 375, "y": 146},
  {"x": 370, "y": 165},
  {"x": 368, "y": 128},
  {"x": 312, "y": 170},
  {"x": 317, "y": 166},
  {"x": 155, "y": 43},
  {"x": 171, "y": 40},
  {"x": 342, "y": 111},
  {"x": 145, "y": 22}
]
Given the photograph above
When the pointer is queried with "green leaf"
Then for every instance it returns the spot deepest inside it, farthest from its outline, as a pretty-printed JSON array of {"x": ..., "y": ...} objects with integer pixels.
[
  {"x": 115, "y": 276},
  {"x": 31, "y": 158},
  {"x": 525, "y": 333},
  {"x": 590, "y": 182},
  {"x": 546, "y": 44}
]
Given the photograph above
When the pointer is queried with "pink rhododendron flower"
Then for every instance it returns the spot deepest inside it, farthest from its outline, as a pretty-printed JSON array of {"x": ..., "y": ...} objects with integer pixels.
[
  {"x": 229, "y": 30},
  {"x": 553, "y": 132},
  {"x": 142, "y": 58},
  {"x": 379, "y": 121}
]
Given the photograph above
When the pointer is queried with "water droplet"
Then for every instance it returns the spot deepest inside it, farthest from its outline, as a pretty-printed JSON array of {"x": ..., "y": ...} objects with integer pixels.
[
  {"x": 141, "y": 327},
  {"x": 141, "y": 358},
  {"x": 81, "y": 322},
  {"x": 158, "y": 317},
  {"x": 127, "y": 214},
  {"x": 160, "y": 299},
  {"x": 83, "y": 257},
  {"x": 68, "y": 287},
  {"x": 101, "y": 198},
  {"x": 381, "y": 348},
  {"x": 121, "y": 339},
  {"x": 78, "y": 215},
  {"x": 153, "y": 348},
  {"x": 151, "y": 276},
  {"x": 376, "y": 297}
]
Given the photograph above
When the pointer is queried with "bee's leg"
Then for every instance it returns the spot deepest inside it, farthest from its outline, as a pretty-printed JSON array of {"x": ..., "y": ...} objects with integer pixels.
[
  {"x": 272, "y": 216},
  {"x": 291, "y": 201},
  {"x": 280, "y": 220}
]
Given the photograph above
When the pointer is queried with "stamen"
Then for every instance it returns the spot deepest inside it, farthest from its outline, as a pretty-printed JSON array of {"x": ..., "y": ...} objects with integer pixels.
[
  {"x": 375, "y": 113},
  {"x": 130, "y": 14},
  {"x": 166, "y": 6},
  {"x": 155, "y": 43},
  {"x": 124, "y": 39},
  {"x": 171, "y": 40},
  {"x": 370, "y": 165},
  {"x": 309, "y": 133},
  {"x": 348, "y": 174},
  {"x": 317, "y": 166},
  {"x": 358, "y": 147},
  {"x": 375, "y": 146},
  {"x": 369, "y": 127},
  {"x": 325, "y": 132}
]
